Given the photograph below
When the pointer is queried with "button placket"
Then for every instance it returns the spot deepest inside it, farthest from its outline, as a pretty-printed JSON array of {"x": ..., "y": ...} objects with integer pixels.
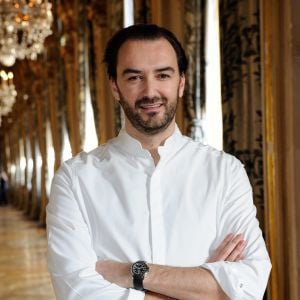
[{"x": 158, "y": 238}]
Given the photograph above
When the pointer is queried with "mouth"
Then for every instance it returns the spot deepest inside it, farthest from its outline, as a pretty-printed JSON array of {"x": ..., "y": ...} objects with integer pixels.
[{"x": 151, "y": 107}]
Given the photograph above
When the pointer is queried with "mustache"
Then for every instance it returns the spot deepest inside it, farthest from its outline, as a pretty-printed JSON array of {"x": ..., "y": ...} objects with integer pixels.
[{"x": 148, "y": 100}]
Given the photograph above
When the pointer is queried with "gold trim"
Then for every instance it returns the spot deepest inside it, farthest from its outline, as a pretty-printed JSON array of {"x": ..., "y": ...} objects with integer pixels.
[{"x": 269, "y": 162}]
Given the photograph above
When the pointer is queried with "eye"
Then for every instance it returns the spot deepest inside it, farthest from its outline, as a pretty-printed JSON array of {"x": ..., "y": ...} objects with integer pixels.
[
  {"x": 135, "y": 78},
  {"x": 163, "y": 76}
]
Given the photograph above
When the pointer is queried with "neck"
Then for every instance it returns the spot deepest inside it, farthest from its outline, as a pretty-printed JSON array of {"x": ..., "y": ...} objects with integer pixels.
[{"x": 151, "y": 142}]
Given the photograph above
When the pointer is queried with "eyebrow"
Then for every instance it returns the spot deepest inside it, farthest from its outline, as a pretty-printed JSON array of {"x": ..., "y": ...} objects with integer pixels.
[
  {"x": 130, "y": 71},
  {"x": 135, "y": 71},
  {"x": 165, "y": 69}
]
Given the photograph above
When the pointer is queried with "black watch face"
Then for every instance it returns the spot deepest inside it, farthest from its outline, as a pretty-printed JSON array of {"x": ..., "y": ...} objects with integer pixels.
[{"x": 140, "y": 268}]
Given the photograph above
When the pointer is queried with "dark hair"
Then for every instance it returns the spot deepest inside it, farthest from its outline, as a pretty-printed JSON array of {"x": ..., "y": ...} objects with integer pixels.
[{"x": 141, "y": 32}]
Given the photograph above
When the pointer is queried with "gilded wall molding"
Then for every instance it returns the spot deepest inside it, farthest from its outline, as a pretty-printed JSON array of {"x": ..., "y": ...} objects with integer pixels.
[
  {"x": 280, "y": 38},
  {"x": 68, "y": 14},
  {"x": 115, "y": 17},
  {"x": 195, "y": 89}
]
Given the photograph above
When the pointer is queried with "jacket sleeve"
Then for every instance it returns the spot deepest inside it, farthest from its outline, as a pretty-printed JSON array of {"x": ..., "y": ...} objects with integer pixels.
[
  {"x": 71, "y": 258},
  {"x": 246, "y": 279}
]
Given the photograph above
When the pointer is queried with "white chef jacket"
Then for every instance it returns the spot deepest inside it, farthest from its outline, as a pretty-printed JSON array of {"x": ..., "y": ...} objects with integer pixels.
[{"x": 114, "y": 203}]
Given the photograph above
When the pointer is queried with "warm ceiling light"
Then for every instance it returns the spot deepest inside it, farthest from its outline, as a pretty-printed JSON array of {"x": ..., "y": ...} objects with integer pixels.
[
  {"x": 23, "y": 29},
  {"x": 8, "y": 93}
]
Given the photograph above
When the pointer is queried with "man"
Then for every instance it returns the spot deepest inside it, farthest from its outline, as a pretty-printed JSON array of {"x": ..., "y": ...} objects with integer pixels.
[{"x": 153, "y": 214}]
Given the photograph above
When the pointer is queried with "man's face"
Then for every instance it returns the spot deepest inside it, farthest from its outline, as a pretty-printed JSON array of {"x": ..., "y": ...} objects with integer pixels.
[{"x": 148, "y": 84}]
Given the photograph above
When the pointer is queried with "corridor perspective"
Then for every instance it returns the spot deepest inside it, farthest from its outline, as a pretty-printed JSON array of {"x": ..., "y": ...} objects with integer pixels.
[{"x": 23, "y": 266}]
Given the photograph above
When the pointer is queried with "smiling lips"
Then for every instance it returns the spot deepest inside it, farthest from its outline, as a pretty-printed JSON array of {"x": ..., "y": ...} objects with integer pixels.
[{"x": 151, "y": 107}]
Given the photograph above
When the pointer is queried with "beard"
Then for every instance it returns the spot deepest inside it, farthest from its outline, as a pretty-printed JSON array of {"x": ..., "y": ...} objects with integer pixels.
[{"x": 153, "y": 124}]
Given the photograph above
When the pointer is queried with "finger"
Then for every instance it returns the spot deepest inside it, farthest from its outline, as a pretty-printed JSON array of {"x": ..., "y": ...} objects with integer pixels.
[
  {"x": 224, "y": 243},
  {"x": 225, "y": 248},
  {"x": 241, "y": 257},
  {"x": 215, "y": 256},
  {"x": 229, "y": 247},
  {"x": 237, "y": 251},
  {"x": 227, "y": 239}
]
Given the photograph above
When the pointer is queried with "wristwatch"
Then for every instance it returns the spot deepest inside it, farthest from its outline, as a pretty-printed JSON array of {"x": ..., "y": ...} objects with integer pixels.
[{"x": 139, "y": 271}]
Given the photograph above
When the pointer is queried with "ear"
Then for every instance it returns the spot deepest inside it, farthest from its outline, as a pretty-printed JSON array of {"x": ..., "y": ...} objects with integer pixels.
[
  {"x": 181, "y": 85},
  {"x": 114, "y": 89}
]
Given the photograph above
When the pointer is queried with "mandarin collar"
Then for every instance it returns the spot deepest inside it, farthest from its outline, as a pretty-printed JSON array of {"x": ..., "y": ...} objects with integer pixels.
[{"x": 134, "y": 147}]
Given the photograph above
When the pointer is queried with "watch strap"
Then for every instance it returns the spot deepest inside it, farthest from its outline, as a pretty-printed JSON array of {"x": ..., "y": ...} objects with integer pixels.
[{"x": 138, "y": 282}]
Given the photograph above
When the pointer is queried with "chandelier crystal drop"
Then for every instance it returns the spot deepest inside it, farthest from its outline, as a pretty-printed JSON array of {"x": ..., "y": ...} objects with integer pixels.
[
  {"x": 8, "y": 93},
  {"x": 24, "y": 25}
]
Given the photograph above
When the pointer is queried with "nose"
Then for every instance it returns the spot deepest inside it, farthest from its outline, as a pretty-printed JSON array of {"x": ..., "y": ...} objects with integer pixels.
[{"x": 149, "y": 88}]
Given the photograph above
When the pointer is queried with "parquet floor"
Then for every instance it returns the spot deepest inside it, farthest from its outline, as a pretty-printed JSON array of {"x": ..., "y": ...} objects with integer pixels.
[{"x": 23, "y": 266}]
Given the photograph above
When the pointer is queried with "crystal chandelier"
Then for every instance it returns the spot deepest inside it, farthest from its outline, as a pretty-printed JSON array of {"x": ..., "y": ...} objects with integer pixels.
[
  {"x": 7, "y": 93},
  {"x": 24, "y": 25}
]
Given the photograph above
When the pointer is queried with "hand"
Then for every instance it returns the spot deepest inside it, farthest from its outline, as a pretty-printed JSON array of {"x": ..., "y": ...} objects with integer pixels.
[
  {"x": 231, "y": 249},
  {"x": 115, "y": 272}
]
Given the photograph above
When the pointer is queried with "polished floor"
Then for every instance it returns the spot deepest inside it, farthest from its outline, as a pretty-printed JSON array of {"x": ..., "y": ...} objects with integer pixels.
[{"x": 23, "y": 266}]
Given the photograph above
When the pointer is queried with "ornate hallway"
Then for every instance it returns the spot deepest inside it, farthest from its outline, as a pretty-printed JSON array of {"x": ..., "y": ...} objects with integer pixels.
[{"x": 23, "y": 266}]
